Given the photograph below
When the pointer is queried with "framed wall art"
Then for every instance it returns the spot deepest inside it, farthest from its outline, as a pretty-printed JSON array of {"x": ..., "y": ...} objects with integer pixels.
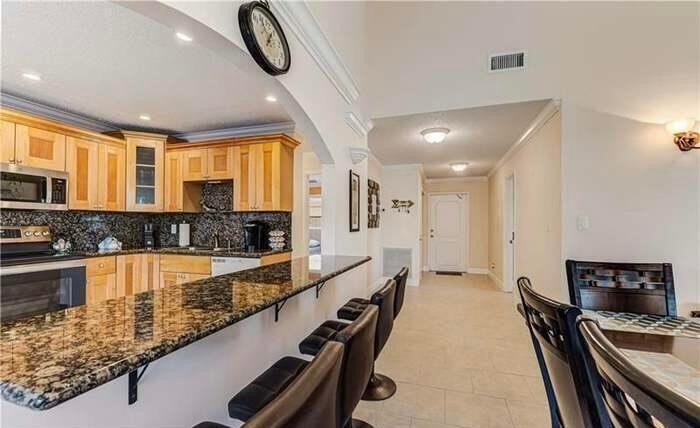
[
  {"x": 354, "y": 202},
  {"x": 373, "y": 204}
]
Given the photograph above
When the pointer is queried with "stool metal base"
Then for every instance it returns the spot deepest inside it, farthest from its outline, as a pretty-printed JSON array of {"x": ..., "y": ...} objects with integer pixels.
[
  {"x": 380, "y": 388},
  {"x": 357, "y": 423}
]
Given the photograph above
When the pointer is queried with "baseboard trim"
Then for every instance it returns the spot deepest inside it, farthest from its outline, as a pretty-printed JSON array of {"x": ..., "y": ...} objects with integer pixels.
[
  {"x": 478, "y": 271},
  {"x": 496, "y": 280}
]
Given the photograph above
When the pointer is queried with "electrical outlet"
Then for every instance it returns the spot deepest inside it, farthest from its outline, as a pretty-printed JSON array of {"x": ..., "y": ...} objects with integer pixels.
[{"x": 173, "y": 229}]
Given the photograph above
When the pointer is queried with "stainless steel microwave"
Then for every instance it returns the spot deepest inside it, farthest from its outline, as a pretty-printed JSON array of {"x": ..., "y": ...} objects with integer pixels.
[{"x": 32, "y": 188}]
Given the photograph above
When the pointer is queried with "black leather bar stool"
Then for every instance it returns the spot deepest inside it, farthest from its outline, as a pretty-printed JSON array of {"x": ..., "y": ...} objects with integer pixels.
[
  {"x": 356, "y": 305},
  {"x": 308, "y": 400},
  {"x": 379, "y": 387},
  {"x": 356, "y": 369}
]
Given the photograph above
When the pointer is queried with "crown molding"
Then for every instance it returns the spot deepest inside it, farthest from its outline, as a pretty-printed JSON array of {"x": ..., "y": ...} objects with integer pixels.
[
  {"x": 356, "y": 124},
  {"x": 540, "y": 120},
  {"x": 297, "y": 16},
  {"x": 242, "y": 131},
  {"x": 47, "y": 112},
  {"x": 456, "y": 179}
]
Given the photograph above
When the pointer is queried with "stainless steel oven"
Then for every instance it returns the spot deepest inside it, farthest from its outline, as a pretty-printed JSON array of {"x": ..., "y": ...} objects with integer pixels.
[
  {"x": 35, "y": 289},
  {"x": 32, "y": 188}
]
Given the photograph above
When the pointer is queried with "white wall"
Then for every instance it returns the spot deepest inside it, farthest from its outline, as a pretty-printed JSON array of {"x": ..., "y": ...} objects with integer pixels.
[
  {"x": 400, "y": 229},
  {"x": 536, "y": 165},
  {"x": 640, "y": 193},
  {"x": 374, "y": 236}
]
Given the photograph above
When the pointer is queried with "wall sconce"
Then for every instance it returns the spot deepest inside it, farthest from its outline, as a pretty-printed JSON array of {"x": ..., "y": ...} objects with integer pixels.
[{"x": 683, "y": 135}]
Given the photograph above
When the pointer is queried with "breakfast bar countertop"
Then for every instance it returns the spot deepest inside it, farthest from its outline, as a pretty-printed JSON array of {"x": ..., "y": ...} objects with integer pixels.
[{"x": 48, "y": 359}]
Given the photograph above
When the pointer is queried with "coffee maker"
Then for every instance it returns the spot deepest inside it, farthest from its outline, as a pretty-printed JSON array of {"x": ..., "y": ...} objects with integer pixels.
[
  {"x": 256, "y": 236},
  {"x": 149, "y": 236}
]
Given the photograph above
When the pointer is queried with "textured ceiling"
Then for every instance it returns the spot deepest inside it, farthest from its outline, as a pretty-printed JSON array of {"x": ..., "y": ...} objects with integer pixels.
[
  {"x": 480, "y": 136},
  {"x": 107, "y": 62}
]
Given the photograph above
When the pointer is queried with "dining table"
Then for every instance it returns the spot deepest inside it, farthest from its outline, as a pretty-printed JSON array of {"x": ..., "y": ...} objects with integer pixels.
[{"x": 665, "y": 347}]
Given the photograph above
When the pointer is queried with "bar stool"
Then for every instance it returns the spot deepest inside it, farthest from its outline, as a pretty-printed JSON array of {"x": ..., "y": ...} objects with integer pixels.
[
  {"x": 357, "y": 305},
  {"x": 356, "y": 369},
  {"x": 379, "y": 387},
  {"x": 308, "y": 400}
]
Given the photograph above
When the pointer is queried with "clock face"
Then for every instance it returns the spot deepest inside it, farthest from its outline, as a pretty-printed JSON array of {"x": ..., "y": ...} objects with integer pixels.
[{"x": 268, "y": 38}]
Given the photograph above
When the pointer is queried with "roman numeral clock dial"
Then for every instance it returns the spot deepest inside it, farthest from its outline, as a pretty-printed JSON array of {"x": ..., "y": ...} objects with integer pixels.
[{"x": 264, "y": 37}]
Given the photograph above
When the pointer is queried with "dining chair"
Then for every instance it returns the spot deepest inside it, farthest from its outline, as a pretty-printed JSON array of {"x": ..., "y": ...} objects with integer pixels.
[
  {"x": 633, "y": 398},
  {"x": 568, "y": 381},
  {"x": 643, "y": 288}
]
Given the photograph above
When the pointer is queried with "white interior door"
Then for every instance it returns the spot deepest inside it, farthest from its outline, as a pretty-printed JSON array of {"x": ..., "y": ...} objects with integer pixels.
[
  {"x": 447, "y": 236},
  {"x": 509, "y": 234}
]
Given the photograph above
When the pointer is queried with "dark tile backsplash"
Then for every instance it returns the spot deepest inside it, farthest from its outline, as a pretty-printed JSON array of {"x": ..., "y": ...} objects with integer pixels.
[{"x": 85, "y": 229}]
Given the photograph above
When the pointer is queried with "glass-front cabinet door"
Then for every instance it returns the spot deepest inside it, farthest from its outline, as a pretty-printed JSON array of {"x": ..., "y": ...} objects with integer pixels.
[{"x": 144, "y": 165}]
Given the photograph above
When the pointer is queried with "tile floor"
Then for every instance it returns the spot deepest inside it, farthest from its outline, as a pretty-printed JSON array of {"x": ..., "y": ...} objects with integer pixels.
[{"x": 461, "y": 357}]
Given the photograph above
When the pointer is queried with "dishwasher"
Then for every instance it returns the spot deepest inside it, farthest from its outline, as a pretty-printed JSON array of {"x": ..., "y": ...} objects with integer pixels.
[{"x": 224, "y": 265}]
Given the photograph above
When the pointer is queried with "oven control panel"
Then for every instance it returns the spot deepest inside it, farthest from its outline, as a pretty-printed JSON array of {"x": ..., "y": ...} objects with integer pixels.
[{"x": 10, "y": 234}]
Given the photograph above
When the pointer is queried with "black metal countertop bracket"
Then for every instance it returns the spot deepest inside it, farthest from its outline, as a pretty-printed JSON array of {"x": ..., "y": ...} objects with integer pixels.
[
  {"x": 319, "y": 287},
  {"x": 278, "y": 308},
  {"x": 134, "y": 378}
]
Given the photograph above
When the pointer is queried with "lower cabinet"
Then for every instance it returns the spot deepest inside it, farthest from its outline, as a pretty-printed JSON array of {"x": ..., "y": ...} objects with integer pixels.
[
  {"x": 176, "y": 269},
  {"x": 101, "y": 279},
  {"x": 137, "y": 273}
]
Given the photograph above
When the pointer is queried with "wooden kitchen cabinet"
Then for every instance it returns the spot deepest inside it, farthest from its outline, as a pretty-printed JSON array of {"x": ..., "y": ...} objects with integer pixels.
[
  {"x": 100, "y": 279},
  {"x": 207, "y": 164},
  {"x": 39, "y": 148},
  {"x": 137, "y": 273},
  {"x": 7, "y": 141},
  {"x": 264, "y": 176},
  {"x": 177, "y": 269},
  {"x": 95, "y": 175},
  {"x": 144, "y": 171},
  {"x": 173, "y": 190},
  {"x": 111, "y": 187},
  {"x": 175, "y": 278}
]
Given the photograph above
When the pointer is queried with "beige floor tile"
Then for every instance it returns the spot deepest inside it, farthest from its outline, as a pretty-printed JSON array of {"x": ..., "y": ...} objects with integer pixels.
[
  {"x": 476, "y": 411},
  {"x": 536, "y": 387},
  {"x": 501, "y": 385},
  {"x": 419, "y": 423},
  {"x": 528, "y": 415},
  {"x": 417, "y": 401}
]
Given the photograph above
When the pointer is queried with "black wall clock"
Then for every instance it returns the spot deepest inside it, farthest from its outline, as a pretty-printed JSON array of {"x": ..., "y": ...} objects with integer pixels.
[{"x": 264, "y": 37}]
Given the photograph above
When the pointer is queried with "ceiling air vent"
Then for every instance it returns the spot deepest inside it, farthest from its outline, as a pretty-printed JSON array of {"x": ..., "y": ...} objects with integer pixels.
[{"x": 507, "y": 61}]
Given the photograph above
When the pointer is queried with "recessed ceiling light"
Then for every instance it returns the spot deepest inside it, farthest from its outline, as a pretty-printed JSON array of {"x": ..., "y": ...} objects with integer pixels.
[
  {"x": 31, "y": 76},
  {"x": 184, "y": 37},
  {"x": 435, "y": 135},
  {"x": 459, "y": 166},
  {"x": 145, "y": 117},
  {"x": 271, "y": 98}
]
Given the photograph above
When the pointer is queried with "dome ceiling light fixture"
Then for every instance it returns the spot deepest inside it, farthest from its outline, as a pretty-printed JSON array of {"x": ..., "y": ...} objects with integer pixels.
[
  {"x": 435, "y": 135},
  {"x": 459, "y": 166}
]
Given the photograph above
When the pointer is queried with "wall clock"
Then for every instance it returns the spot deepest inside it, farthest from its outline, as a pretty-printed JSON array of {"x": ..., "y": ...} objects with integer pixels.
[{"x": 264, "y": 37}]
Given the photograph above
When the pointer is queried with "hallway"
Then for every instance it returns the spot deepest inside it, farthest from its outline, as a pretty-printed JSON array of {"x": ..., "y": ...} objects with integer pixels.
[{"x": 461, "y": 357}]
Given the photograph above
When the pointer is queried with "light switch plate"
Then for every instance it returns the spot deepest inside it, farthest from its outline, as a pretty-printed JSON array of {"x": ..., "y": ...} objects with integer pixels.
[{"x": 583, "y": 223}]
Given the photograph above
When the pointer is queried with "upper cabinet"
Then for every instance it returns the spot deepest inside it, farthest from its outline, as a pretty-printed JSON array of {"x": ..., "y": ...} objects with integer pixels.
[
  {"x": 144, "y": 171},
  {"x": 264, "y": 175},
  {"x": 173, "y": 181},
  {"x": 27, "y": 146},
  {"x": 207, "y": 164},
  {"x": 95, "y": 175}
]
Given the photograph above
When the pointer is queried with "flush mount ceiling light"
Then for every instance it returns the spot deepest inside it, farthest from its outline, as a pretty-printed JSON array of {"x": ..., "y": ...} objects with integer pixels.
[
  {"x": 184, "y": 37},
  {"x": 435, "y": 135},
  {"x": 145, "y": 117},
  {"x": 271, "y": 99},
  {"x": 683, "y": 134},
  {"x": 459, "y": 166},
  {"x": 31, "y": 76}
]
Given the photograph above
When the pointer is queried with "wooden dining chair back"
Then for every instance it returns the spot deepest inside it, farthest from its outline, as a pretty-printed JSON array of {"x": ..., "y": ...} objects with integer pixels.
[
  {"x": 552, "y": 326},
  {"x": 633, "y": 398},
  {"x": 643, "y": 288}
]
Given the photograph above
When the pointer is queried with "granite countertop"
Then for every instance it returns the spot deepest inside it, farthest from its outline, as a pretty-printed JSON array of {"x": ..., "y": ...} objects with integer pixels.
[
  {"x": 48, "y": 359},
  {"x": 195, "y": 251}
]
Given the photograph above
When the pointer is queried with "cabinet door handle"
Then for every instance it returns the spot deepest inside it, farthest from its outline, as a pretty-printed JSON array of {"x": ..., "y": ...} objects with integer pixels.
[
  {"x": 19, "y": 160},
  {"x": 102, "y": 265}
]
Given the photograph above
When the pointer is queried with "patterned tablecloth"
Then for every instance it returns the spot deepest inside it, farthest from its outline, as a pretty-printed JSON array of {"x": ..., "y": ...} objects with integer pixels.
[{"x": 645, "y": 323}]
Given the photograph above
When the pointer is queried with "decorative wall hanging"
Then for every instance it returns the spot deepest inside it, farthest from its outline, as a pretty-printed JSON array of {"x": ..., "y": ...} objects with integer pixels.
[
  {"x": 372, "y": 204},
  {"x": 401, "y": 206},
  {"x": 354, "y": 202},
  {"x": 264, "y": 38}
]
